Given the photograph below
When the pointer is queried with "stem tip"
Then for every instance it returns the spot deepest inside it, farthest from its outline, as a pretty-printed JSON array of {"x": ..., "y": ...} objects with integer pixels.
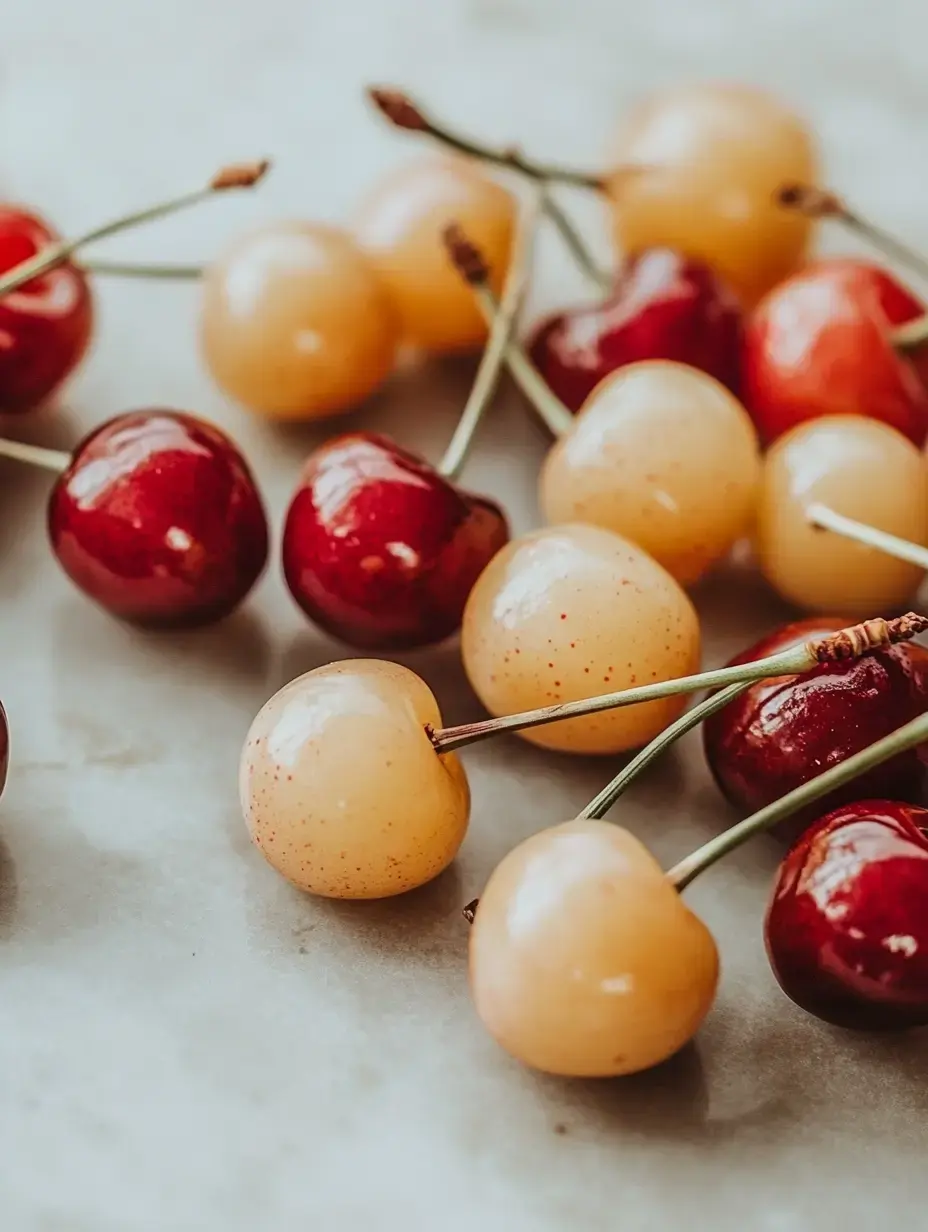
[
  {"x": 809, "y": 200},
  {"x": 470, "y": 911},
  {"x": 398, "y": 108},
  {"x": 467, "y": 257},
  {"x": 239, "y": 175},
  {"x": 868, "y": 635}
]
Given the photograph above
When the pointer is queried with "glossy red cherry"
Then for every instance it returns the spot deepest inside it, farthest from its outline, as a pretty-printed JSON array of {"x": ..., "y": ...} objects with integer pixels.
[
  {"x": 158, "y": 519},
  {"x": 4, "y": 748},
  {"x": 663, "y": 306},
  {"x": 380, "y": 549},
  {"x": 45, "y": 325},
  {"x": 780, "y": 733},
  {"x": 847, "y": 926},
  {"x": 819, "y": 344}
]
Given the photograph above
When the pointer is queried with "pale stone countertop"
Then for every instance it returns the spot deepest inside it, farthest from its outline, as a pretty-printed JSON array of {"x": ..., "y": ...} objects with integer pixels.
[{"x": 186, "y": 1044}]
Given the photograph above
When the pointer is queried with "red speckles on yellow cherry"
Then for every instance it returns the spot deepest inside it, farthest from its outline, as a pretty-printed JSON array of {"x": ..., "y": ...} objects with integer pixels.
[
  {"x": 557, "y": 596},
  {"x": 341, "y": 788}
]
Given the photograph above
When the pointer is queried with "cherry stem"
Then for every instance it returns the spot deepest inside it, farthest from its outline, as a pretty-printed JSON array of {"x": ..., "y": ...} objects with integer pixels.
[
  {"x": 576, "y": 244},
  {"x": 601, "y": 804},
  {"x": 36, "y": 455},
  {"x": 402, "y": 112},
  {"x": 827, "y": 519},
  {"x": 129, "y": 269},
  {"x": 845, "y": 644},
  {"x": 501, "y": 331},
  {"x": 822, "y": 203},
  {"x": 243, "y": 175},
  {"x": 903, "y": 738},
  {"x": 912, "y": 336},
  {"x": 472, "y": 266}
]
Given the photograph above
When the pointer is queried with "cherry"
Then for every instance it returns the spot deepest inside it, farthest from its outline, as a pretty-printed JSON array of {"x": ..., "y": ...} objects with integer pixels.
[
  {"x": 847, "y": 925},
  {"x": 156, "y": 517},
  {"x": 4, "y": 748},
  {"x": 782, "y": 732},
  {"x": 45, "y": 325},
  {"x": 380, "y": 549},
  {"x": 820, "y": 344},
  {"x": 663, "y": 306}
]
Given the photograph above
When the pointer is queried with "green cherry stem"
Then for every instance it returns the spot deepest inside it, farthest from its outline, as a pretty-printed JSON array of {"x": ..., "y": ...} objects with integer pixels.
[
  {"x": 243, "y": 175},
  {"x": 402, "y": 112},
  {"x": 847, "y": 643},
  {"x": 471, "y": 265},
  {"x": 55, "y": 460},
  {"x": 903, "y": 738},
  {"x": 501, "y": 333},
  {"x": 822, "y": 203},
  {"x": 397, "y": 107},
  {"x": 600, "y": 805},
  {"x": 825, "y": 518},
  {"x": 129, "y": 269}
]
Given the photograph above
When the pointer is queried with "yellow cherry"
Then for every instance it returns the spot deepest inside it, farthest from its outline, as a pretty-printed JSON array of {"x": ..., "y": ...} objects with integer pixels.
[
  {"x": 860, "y": 468},
  {"x": 584, "y": 960},
  {"x": 663, "y": 455},
  {"x": 341, "y": 788},
  {"x": 570, "y": 612},
  {"x": 710, "y": 159},
  {"x": 296, "y": 324},
  {"x": 400, "y": 227}
]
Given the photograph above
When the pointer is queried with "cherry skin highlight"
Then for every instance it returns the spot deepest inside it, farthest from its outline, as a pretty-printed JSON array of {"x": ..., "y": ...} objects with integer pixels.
[
  {"x": 663, "y": 306},
  {"x": 45, "y": 325},
  {"x": 819, "y": 344},
  {"x": 780, "y": 733},
  {"x": 847, "y": 926},
  {"x": 158, "y": 519},
  {"x": 381, "y": 550}
]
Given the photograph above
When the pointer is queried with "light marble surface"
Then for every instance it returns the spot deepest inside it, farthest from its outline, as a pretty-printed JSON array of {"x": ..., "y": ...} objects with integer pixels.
[{"x": 186, "y": 1044}]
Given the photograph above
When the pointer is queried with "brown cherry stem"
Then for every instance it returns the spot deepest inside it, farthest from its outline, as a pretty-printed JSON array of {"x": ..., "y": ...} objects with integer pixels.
[
  {"x": 600, "y": 805},
  {"x": 822, "y": 203},
  {"x": 242, "y": 175},
  {"x": 472, "y": 266},
  {"x": 402, "y": 112},
  {"x": 906, "y": 737},
  {"x": 845, "y": 644},
  {"x": 36, "y": 455},
  {"x": 501, "y": 332},
  {"x": 130, "y": 269},
  {"x": 825, "y": 518}
]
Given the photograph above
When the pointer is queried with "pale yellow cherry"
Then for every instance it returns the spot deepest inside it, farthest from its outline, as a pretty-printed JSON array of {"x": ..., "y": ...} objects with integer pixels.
[
  {"x": 584, "y": 960},
  {"x": 400, "y": 226},
  {"x": 860, "y": 468},
  {"x": 663, "y": 455},
  {"x": 341, "y": 788},
  {"x": 571, "y": 612},
  {"x": 713, "y": 158},
  {"x": 296, "y": 324}
]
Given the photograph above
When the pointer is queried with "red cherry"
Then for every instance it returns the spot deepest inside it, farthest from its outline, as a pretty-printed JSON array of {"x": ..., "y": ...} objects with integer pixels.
[
  {"x": 158, "y": 519},
  {"x": 380, "y": 549},
  {"x": 819, "y": 344},
  {"x": 847, "y": 926},
  {"x": 4, "y": 748},
  {"x": 663, "y": 306},
  {"x": 781, "y": 733},
  {"x": 45, "y": 325}
]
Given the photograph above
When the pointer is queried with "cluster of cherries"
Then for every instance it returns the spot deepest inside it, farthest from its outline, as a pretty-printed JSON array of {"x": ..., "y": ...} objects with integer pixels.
[{"x": 725, "y": 388}]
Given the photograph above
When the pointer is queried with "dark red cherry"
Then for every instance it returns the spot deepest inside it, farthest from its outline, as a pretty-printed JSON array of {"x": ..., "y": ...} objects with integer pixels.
[
  {"x": 4, "y": 748},
  {"x": 847, "y": 926},
  {"x": 780, "y": 733},
  {"x": 45, "y": 325},
  {"x": 159, "y": 520},
  {"x": 663, "y": 306},
  {"x": 819, "y": 344},
  {"x": 381, "y": 550}
]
